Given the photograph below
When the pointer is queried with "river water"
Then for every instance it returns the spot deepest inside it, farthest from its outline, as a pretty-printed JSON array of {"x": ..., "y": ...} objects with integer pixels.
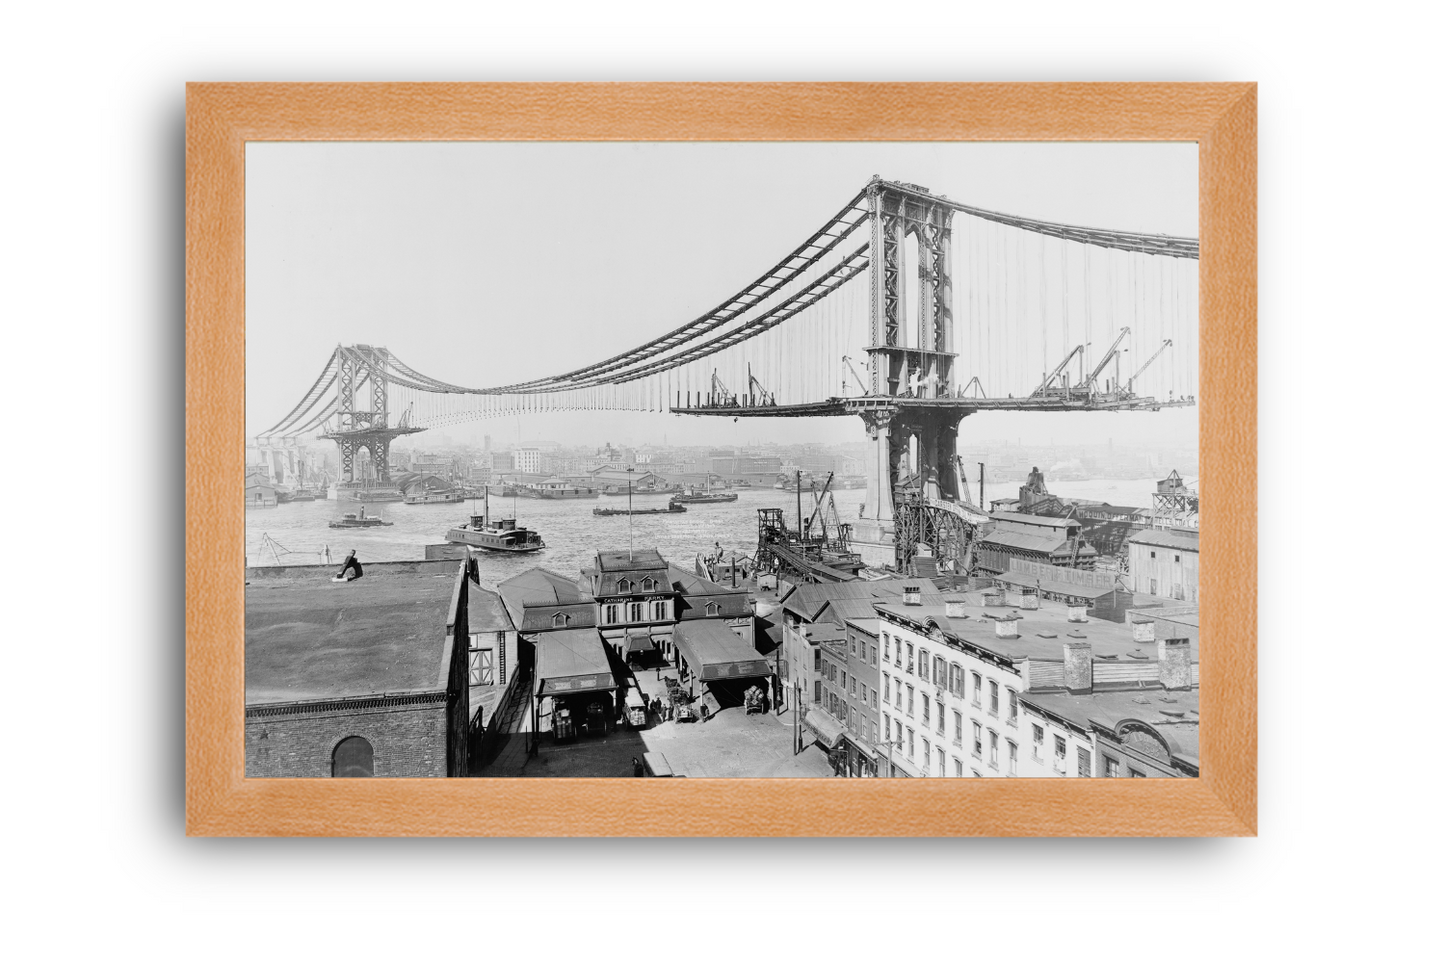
[{"x": 300, "y": 533}]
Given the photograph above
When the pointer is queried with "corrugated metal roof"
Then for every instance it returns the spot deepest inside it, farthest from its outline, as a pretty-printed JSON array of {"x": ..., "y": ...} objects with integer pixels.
[{"x": 1043, "y": 542}]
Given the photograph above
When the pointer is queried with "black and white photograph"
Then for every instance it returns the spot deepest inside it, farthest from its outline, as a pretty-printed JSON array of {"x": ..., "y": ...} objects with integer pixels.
[{"x": 794, "y": 460}]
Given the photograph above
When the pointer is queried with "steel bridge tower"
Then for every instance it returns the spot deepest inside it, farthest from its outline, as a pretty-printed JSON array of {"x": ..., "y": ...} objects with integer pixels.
[
  {"x": 359, "y": 366},
  {"x": 919, "y": 367}
]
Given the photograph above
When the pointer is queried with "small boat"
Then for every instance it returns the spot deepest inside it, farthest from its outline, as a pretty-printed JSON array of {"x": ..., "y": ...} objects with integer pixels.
[
  {"x": 695, "y": 497},
  {"x": 502, "y": 536},
  {"x": 358, "y": 520},
  {"x": 671, "y": 508}
]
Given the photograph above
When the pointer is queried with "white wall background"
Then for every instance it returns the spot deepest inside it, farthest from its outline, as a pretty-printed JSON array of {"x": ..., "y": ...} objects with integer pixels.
[{"x": 96, "y": 861}]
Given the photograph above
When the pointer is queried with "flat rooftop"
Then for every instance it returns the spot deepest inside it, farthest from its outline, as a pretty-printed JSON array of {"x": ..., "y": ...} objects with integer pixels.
[
  {"x": 1042, "y": 632},
  {"x": 309, "y": 638}
]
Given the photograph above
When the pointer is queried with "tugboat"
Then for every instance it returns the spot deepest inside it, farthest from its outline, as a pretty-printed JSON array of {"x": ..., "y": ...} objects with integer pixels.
[
  {"x": 503, "y": 536},
  {"x": 358, "y": 520}
]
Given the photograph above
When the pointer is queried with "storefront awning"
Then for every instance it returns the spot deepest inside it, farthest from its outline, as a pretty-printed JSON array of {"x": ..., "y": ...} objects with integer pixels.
[
  {"x": 638, "y": 643},
  {"x": 828, "y": 730},
  {"x": 714, "y": 652},
  {"x": 572, "y": 661}
]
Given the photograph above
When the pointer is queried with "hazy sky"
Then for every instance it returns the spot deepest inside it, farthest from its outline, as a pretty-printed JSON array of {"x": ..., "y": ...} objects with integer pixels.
[{"x": 485, "y": 264}]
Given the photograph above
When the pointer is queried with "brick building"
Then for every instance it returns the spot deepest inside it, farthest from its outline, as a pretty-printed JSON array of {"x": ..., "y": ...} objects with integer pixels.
[{"x": 367, "y": 678}]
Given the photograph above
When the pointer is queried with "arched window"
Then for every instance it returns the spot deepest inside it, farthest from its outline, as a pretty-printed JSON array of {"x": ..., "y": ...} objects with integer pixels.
[
  {"x": 649, "y": 584},
  {"x": 559, "y": 620},
  {"x": 624, "y": 585},
  {"x": 351, "y": 758},
  {"x": 713, "y": 609}
]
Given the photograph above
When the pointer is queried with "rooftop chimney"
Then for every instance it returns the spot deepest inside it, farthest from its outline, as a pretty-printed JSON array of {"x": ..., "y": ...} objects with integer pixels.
[
  {"x": 1174, "y": 667},
  {"x": 1078, "y": 612},
  {"x": 912, "y": 596},
  {"x": 953, "y": 608},
  {"x": 1078, "y": 666},
  {"x": 993, "y": 597},
  {"x": 1006, "y": 627},
  {"x": 1143, "y": 630},
  {"x": 1029, "y": 597}
]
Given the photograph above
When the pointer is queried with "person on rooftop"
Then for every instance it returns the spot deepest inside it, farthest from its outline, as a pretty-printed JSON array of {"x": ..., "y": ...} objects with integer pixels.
[{"x": 350, "y": 569}]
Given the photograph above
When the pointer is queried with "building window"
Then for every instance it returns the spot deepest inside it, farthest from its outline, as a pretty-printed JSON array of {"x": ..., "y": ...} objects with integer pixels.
[
  {"x": 938, "y": 705},
  {"x": 852, "y": 645},
  {"x": 992, "y": 698},
  {"x": 1038, "y": 742},
  {"x": 559, "y": 620},
  {"x": 1136, "y": 773},
  {"x": 977, "y": 741},
  {"x": 817, "y": 661},
  {"x": 352, "y": 758},
  {"x": 624, "y": 585},
  {"x": 649, "y": 584},
  {"x": 927, "y": 751},
  {"x": 887, "y": 724},
  {"x": 977, "y": 690},
  {"x": 942, "y": 763},
  {"x": 659, "y": 609},
  {"x": 1013, "y": 758},
  {"x": 1151, "y": 553},
  {"x": 910, "y": 701},
  {"x": 1111, "y": 767},
  {"x": 1176, "y": 558},
  {"x": 817, "y": 691},
  {"x": 1086, "y": 765},
  {"x": 898, "y": 696},
  {"x": 910, "y": 658},
  {"x": 925, "y": 711},
  {"x": 957, "y": 767},
  {"x": 1061, "y": 752},
  {"x": 874, "y": 694},
  {"x": 634, "y": 612},
  {"x": 845, "y": 680},
  {"x": 897, "y": 732},
  {"x": 1013, "y": 707},
  {"x": 853, "y": 687},
  {"x": 885, "y": 647},
  {"x": 957, "y": 728},
  {"x": 852, "y": 718},
  {"x": 993, "y": 749},
  {"x": 910, "y": 743},
  {"x": 955, "y": 679},
  {"x": 713, "y": 609},
  {"x": 611, "y": 613},
  {"x": 887, "y": 682},
  {"x": 940, "y": 672},
  {"x": 873, "y": 655},
  {"x": 977, "y": 774},
  {"x": 923, "y": 664},
  {"x": 480, "y": 668}
]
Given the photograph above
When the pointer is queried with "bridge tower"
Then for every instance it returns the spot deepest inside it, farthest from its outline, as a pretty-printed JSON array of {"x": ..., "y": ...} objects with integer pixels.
[
  {"x": 357, "y": 428},
  {"x": 911, "y": 351}
]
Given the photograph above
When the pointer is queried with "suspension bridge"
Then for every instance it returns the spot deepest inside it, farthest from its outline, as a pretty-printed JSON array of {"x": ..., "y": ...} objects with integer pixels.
[{"x": 906, "y": 309}]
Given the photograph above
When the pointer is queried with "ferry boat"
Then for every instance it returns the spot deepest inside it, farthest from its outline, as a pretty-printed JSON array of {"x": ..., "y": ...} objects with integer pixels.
[
  {"x": 502, "y": 536},
  {"x": 358, "y": 520},
  {"x": 672, "y": 507}
]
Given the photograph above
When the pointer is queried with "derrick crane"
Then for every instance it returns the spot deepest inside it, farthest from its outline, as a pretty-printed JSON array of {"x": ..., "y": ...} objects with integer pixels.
[
  {"x": 721, "y": 395},
  {"x": 818, "y": 509},
  {"x": 1130, "y": 388},
  {"x": 760, "y": 395},
  {"x": 1110, "y": 355},
  {"x": 856, "y": 377},
  {"x": 1049, "y": 381}
]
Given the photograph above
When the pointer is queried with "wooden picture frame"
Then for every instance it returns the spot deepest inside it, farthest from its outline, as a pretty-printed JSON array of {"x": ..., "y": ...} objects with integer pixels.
[{"x": 221, "y": 118}]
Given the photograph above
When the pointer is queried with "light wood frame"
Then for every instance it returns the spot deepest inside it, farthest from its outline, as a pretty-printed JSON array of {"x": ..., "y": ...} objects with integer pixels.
[{"x": 221, "y": 118}]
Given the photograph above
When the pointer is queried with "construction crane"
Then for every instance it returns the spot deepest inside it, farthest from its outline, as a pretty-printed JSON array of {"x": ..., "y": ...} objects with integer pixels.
[
  {"x": 856, "y": 377},
  {"x": 1150, "y": 361},
  {"x": 1049, "y": 381},
  {"x": 720, "y": 393},
  {"x": 818, "y": 508},
  {"x": 1111, "y": 354},
  {"x": 761, "y": 396}
]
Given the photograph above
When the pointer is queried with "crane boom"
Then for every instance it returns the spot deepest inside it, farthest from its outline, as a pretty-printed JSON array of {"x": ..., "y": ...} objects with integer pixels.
[
  {"x": 856, "y": 377},
  {"x": 1108, "y": 356},
  {"x": 755, "y": 387},
  {"x": 818, "y": 508},
  {"x": 1043, "y": 389},
  {"x": 719, "y": 390},
  {"x": 1148, "y": 362}
]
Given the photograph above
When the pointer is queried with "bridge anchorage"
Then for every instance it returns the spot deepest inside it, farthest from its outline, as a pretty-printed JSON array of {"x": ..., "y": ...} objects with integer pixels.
[{"x": 1033, "y": 298}]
